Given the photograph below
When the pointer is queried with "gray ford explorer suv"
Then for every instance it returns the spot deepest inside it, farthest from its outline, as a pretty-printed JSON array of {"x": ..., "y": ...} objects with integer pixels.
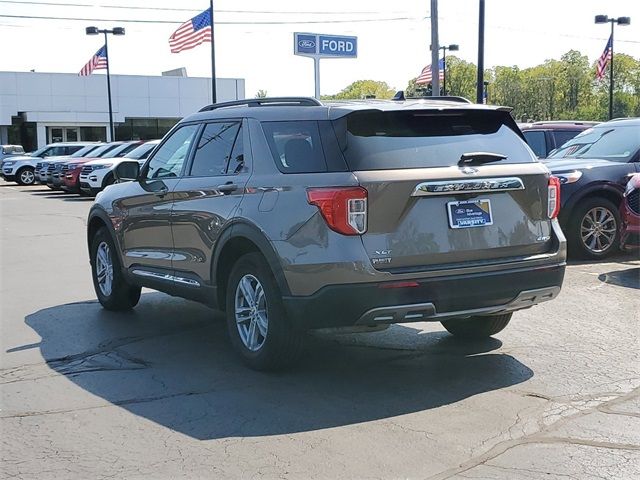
[{"x": 290, "y": 215}]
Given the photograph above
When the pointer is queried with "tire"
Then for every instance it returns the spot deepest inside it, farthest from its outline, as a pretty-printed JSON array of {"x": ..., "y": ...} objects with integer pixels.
[
  {"x": 272, "y": 344},
  {"x": 477, "y": 327},
  {"x": 582, "y": 217},
  {"x": 25, "y": 176},
  {"x": 121, "y": 295}
]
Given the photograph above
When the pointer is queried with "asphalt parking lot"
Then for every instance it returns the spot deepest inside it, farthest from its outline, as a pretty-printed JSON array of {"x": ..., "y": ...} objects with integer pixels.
[{"x": 158, "y": 393}]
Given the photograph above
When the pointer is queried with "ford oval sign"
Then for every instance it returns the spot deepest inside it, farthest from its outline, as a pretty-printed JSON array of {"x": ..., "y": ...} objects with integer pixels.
[{"x": 307, "y": 44}]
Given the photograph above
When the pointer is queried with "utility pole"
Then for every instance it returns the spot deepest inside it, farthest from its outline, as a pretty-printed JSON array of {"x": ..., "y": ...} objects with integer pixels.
[
  {"x": 480, "y": 78},
  {"x": 435, "y": 51}
]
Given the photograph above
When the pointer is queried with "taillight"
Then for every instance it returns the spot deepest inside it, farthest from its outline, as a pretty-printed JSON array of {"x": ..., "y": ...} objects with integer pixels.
[
  {"x": 553, "y": 197},
  {"x": 343, "y": 208}
]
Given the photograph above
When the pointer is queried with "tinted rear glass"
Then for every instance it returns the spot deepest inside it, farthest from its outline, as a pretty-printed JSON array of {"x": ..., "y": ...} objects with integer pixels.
[
  {"x": 376, "y": 140},
  {"x": 537, "y": 142},
  {"x": 295, "y": 146}
]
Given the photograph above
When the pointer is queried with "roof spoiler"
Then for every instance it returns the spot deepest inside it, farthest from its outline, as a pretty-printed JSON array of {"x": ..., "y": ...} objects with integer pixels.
[{"x": 399, "y": 97}]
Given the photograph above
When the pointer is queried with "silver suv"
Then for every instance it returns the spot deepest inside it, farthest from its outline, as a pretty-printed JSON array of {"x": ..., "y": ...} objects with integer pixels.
[{"x": 292, "y": 215}]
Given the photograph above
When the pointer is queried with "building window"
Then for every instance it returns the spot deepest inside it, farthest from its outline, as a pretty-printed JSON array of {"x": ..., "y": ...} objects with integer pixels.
[
  {"x": 93, "y": 134},
  {"x": 23, "y": 133},
  {"x": 144, "y": 128}
]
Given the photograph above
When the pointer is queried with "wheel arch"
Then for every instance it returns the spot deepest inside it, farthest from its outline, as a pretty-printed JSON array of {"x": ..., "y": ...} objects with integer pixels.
[
  {"x": 239, "y": 239},
  {"x": 98, "y": 219},
  {"x": 608, "y": 191}
]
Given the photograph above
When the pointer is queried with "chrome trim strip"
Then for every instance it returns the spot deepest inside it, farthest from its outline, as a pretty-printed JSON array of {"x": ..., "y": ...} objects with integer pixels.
[
  {"x": 166, "y": 277},
  {"x": 475, "y": 185}
]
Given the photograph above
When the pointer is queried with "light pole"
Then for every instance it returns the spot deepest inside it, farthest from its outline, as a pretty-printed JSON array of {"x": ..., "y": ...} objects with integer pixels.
[
  {"x": 113, "y": 31},
  {"x": 620, "y": 21},
  {"x": 454, "y": 48},
  {"x": 480, "y": 74}
]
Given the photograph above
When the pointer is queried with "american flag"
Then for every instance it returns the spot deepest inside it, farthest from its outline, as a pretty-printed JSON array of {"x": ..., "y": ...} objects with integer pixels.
[
  {"x": 97, "y": 62},
  {"x": 192, "y": 33},
  {"x": 604, "y": 60},
  {"x": 425, "y": 75}
]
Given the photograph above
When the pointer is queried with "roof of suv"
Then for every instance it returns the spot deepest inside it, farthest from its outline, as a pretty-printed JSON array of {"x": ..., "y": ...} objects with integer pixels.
[
  {"x": 301, "y": 108},
  {"x": 558, "y": 125}
]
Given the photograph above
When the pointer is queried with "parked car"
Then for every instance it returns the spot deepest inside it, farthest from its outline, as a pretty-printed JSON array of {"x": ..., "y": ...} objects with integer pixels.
[
  {"x": 630, "y": 214},
  {"x": 70, "y": 171},
  {"x": 21, "y": 168},
  {"x": 544, "y": 137},
  {"x": 42, "y": 171},
  {"x": 594, "y": 169},
  {"x": 293, "y": 215},
  {"x": 8, "y": 151},
  {"x": 96, "y": 175}
]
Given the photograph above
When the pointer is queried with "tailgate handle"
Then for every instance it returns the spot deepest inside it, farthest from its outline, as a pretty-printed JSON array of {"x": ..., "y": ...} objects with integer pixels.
[{"x": 480, "y": 157}]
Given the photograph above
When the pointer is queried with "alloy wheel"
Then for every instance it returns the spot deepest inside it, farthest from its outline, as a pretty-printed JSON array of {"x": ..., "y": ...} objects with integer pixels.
[
  {"x": 27, "y": 177},
  {"x": 104, "y": 269},
  {"x": 251, "y": 312},
  {"x": 598, "y": 229}
]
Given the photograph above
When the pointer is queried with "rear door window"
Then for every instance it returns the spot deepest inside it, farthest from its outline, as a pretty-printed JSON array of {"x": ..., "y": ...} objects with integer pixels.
[
  {"x": 295, "y": 146},
  {"x": 563, "y": 136},
  {"x": 377, "y": 140},
  {"x": 214, "y": 149}
]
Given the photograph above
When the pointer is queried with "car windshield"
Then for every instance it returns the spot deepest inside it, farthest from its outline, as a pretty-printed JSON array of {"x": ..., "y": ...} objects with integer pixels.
[
  {"x": 83, "y": 151},
  {"x": 617, "y": 143},
  {"x": 141, "y": 151},
  {"x": 120, "y": 150},
  {"x": 39, "y": 152},
  {"x": 103, "y": 150}
]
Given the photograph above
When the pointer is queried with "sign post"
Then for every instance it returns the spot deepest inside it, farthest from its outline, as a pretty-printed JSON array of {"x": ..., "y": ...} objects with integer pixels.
[{"x": 317, "y": 46}]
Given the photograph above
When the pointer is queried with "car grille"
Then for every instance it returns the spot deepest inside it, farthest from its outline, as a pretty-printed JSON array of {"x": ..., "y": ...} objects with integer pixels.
[
  {"x": 86, "y": 170},
  {"x": 633, "y": 199},
  {"x": 38, "y": 166},
  {"x": 64, "y": 168},
  {"x": 51, "y": 167}
]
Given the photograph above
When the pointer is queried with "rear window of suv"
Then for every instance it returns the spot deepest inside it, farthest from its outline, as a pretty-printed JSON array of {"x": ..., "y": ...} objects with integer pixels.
[{"x": 376, "y": 140}]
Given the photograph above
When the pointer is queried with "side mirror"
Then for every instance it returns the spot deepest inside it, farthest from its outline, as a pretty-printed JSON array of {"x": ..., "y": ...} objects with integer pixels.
[{"x": 127, "y": 171}]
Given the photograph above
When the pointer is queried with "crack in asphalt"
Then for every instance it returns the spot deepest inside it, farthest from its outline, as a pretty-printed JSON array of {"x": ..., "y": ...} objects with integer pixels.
[{"x": 539, "y": 438}]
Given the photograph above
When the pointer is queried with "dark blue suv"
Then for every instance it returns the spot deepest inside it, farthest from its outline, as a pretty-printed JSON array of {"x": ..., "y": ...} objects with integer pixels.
[{"x": 594, "y": 168}]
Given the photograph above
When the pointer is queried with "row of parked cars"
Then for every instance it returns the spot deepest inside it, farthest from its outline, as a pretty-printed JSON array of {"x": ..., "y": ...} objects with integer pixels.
[{"x": 83, "y": 168}]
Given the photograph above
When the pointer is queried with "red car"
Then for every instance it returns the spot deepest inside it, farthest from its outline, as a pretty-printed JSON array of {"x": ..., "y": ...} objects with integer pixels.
[
  {"x": 71, "y": 170},
  {"x": 630, "y": 214}
]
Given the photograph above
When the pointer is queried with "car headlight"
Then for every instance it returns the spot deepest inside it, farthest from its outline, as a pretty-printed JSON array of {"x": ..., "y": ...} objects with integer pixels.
[
  {"x": 632, "y": 184},
  {"x": 100, "y": 167},
  {"x": 569, "y": 177},
  {"x": 8, "y": 164}
]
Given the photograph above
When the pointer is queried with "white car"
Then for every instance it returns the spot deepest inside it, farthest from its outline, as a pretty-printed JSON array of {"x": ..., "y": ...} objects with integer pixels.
[
  {"x": 21, "y": 169},
  {"x": 98, "y": 174}
]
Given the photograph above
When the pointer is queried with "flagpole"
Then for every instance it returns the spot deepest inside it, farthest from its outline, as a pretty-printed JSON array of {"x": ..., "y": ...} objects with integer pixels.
[
  {"x": 611, "y": 78},
  {"x": 213, "y": 58},
  {"x": 106, "y": 53}
]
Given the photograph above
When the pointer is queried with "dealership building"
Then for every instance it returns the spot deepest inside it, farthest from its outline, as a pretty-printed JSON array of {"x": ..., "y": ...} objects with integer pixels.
[{"x": 41, "y": 108}]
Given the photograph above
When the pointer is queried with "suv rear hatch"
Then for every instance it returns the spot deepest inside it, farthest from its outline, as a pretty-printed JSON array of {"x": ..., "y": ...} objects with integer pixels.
[{"x": 427, "y": 209}]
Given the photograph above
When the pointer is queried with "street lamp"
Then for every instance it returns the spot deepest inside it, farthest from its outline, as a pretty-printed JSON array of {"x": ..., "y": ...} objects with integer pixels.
[
  {"x": 600, "y": 19},
  {"x": 113, "y": 31},
  {"x": 454, "y": 48}
]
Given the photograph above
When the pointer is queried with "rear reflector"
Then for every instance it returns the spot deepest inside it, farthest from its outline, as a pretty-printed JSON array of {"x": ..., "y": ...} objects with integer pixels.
[
  {"x": 553, "y": 197},
  {"x": 343, "y": 208}
]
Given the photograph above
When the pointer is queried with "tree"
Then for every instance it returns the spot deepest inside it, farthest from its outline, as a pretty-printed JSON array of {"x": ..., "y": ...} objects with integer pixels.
[
  {"x": 362, "y": 89},
  {"x": 261, "y": 94}
]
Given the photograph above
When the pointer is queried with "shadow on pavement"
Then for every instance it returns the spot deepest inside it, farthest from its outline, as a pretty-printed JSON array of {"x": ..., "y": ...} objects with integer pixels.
[
  {"x": 169, "y": 362},
  {"x": 623, "y": 278}
]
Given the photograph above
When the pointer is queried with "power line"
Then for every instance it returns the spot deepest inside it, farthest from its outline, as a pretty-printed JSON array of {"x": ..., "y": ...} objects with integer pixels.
[
  {"x": 173, "y": 9},
  {"x": 218, "y": 22}
]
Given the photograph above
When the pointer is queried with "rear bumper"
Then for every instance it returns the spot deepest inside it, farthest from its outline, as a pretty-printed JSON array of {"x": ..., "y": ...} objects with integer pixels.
[{"x": 433, "y": 299}]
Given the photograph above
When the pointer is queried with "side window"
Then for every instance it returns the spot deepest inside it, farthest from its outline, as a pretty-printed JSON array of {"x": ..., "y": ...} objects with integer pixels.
[
  {"x": 169, "y": 158},
  {"x": 536, "y": 140},
  {"x": 295, "y": 146},
  {"x": 72, "y": 149},
  {"x": 563, "y": 136},
  {"x": 237, "y": 163},
  {"x": 214, "y": 149}
]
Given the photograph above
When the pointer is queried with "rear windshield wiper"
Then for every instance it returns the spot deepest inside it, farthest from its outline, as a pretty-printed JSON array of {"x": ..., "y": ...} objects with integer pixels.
[{"x": 480, "y": 157}]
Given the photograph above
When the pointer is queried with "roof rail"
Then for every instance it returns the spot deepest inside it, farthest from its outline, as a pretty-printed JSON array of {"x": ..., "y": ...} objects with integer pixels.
[
  {"x": 269, "y": 101},
  {"x": 399, "y": 96}
]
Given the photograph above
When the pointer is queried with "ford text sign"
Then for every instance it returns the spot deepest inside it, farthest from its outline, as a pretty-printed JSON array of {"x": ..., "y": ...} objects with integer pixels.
[{"x": 321, "y": 46}]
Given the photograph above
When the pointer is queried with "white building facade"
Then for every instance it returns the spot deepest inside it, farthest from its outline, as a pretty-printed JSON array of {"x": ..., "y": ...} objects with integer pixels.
[{"x": 41, "y": 108}]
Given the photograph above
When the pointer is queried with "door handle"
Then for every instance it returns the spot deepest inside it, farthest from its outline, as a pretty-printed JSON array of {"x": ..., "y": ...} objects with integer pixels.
[
  {"x": 227, "y": 187},
  {"x": 162, "y": 192}
]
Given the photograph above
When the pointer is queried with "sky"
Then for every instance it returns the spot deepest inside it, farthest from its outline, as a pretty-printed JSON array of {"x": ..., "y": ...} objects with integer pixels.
[{"x": 254, "y": 38}]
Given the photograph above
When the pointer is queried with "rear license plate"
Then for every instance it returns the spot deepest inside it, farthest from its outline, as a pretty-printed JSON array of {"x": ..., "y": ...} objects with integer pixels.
[{"x": 469, "y": 213}]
